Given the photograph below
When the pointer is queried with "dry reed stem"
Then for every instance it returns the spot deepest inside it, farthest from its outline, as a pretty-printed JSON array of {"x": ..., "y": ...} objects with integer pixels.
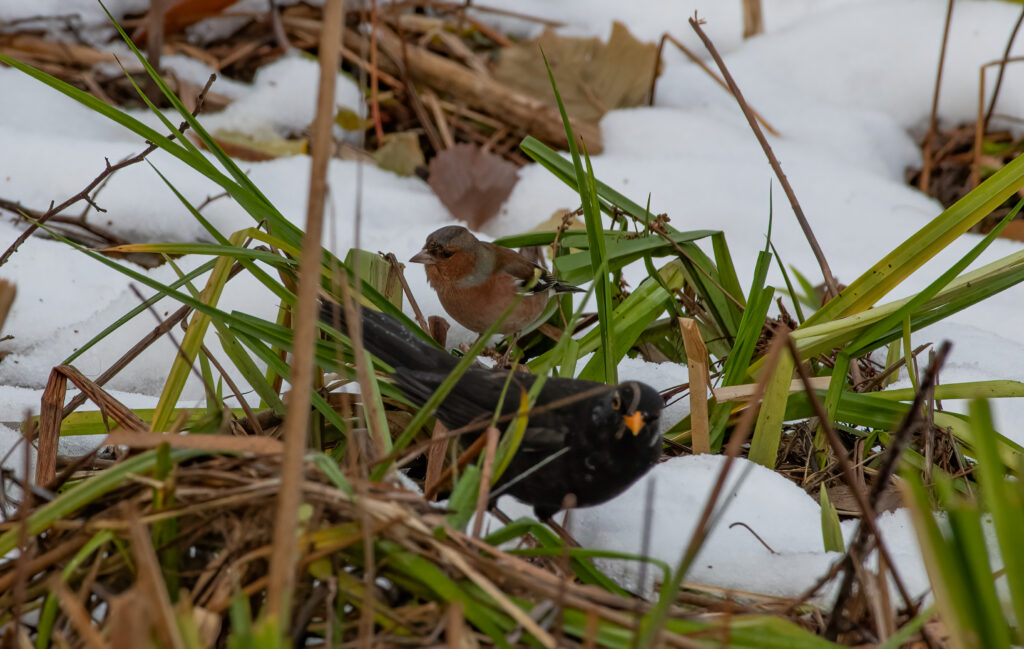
[
  {"x": 697, "y": 364},
  {"x": 51, "y": 415},
  {"x": 847, "y": 473},
  {"x": 484, "y": 491},
  {"x": 282, "y": 564},
  {"x": 732, "y": 450},
  {"x": 753, "y": 18},
  {"x": 981, "y": 121},
  {"x": 151, "y": 583},
  {"x": 8, "y": 291},
  {"x": 78, "y": 616},
  {"x": 478, "y": 91},
  {"x": 436, "y": 454},
  {"x": 933, "y": 120},
  {"x": 1002, "y": 70}
]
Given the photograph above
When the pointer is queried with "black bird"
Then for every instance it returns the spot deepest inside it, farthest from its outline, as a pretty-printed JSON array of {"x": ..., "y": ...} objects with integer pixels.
[{"x": 595, "y": 440}]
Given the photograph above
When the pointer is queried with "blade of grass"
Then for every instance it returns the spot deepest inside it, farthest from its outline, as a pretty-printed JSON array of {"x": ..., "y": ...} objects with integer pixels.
[{"x": 592, "y": 216}]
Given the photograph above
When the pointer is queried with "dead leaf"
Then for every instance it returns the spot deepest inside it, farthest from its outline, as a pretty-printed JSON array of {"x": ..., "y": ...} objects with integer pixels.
[
  {"x": 130, "y": 621},
  {"x": 400, "y": 153},
  {"x": 184, "y": 14},
  {"x": 245, "y": 147},
  {"x": 846, "y": 503},
  {"x": 472, "y": 183},
  {"x": 350, "y": 120},
  {"x": 592, "y": 77}
]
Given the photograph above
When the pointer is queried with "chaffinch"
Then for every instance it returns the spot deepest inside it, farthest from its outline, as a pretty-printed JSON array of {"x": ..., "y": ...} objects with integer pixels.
[
  {"x": 584, "y": 443},
  {"x": 476, "y": 281}
]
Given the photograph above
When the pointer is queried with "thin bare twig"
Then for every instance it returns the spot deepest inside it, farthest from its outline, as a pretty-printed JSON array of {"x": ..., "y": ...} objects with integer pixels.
[
  {"x": 912, "y": 422},
  {"x": 830, "y": 281},
  {"x": 397, "y": 268},
  {"x": 696, "y": 60},
  {"x": 846, "y": 469},
  {"x": 83, "y": 195},
  {"x": 926, "y": 150},
  {"x": 1002, "y": 69}
]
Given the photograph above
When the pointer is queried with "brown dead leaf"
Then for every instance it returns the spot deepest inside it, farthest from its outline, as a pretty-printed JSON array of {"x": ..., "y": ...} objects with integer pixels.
[
  {"x": 400, "y": 153},
  {"x": 184, "y": 14},
  {"x": 845, "y": 501},
  {"x": 130, "y": 620},
  {"x": 245, "y": 147},
  {"x": 592, "y": 77},
  {"x": 472, "y": 183},
  {"x": 1013, "y": 230}
]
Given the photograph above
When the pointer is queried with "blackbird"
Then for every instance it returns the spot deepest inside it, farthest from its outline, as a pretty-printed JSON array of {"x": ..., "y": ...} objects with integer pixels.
[{"x": 584, "y": 443}]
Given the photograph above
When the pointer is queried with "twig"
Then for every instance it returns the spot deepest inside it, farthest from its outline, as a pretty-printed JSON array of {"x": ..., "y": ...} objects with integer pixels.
[
  {"x": 868, "y": 385},
  {"x": 1002, "y": 69},
  {"x": 397, "y": 268},
  {"x": 926, "y": 150},
  {"x": 442, "y": 123},
  {"x": 155, "y": 334},
  {"x": 80, "y": 619},
  {"x": 211, "y": 394},
  {"x": 980, "y": 122},
  {"x": 155, "y": 25},
  {"x": 915, "y": 418},
  {"x": 378, "y": 127},
  {"x": 277, "y": 27},
  {"x": 708, "y": 71},
  {"x": 477, "y": 91},
  {"x": 865, "y": 507},
  {"x": 250, "y": 416},
  {"x": 754, "y": 534},
  {"x": 451, "y": 6},
  {"x": 401, "y": 61},
  {"x": 83, "y": 195},
  {"x": 830, "y": 281}
]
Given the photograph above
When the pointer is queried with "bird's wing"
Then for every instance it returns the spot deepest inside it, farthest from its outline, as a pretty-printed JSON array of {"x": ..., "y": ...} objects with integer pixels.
[
  {"x": 473, "y": 398},
  {"x": 529, "y": 275},
  {"x": 543, "y": 440}
]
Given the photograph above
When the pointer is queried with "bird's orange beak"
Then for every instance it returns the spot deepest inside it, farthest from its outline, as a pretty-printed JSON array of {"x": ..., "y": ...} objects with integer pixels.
[
  {"x": 634, "y": 422},
  {"x": 422, "y": 257}
]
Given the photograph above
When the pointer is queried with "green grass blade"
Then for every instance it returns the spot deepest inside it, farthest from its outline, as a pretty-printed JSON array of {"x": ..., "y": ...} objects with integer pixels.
[
  {"x": 831, "y": 532},
  {"x": 1003, "y": 501},
  {"x": 896, "y": 266},
  {"x": 764, "y": 443}
]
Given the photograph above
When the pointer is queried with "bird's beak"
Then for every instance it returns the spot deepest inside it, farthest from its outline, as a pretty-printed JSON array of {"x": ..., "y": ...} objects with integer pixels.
[
  {"x": 422, "y": 257},
  {"x": 634, "y": 422}
]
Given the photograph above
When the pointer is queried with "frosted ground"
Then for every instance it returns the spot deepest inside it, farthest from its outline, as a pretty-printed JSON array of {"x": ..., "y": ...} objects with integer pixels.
[{"x": 847, "y": 83}]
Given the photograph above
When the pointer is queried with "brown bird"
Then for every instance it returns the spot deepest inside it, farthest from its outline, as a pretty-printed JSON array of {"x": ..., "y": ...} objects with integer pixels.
[{"x": 477, "y": 281}]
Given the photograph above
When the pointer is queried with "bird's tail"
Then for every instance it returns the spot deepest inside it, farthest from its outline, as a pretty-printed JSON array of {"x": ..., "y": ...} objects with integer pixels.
[{"x": 390, "y": 341}]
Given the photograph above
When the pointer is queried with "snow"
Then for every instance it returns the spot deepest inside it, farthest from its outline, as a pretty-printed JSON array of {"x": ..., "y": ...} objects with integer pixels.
[
  {"x": 754, "y": 500},
  {"x": 847, "y": 83}
]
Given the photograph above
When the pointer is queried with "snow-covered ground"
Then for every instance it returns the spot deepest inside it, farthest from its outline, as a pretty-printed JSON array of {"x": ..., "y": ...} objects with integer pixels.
[{"x": 847, "y": 83}]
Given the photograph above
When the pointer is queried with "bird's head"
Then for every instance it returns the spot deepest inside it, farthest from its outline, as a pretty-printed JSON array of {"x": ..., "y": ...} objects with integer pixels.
[
  {"x": 634, "y": 408},
  {"x": 448, "y": 251}
]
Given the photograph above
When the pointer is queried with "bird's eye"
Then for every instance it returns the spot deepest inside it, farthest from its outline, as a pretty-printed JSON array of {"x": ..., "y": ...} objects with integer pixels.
[
  {"x": 616, "y": 401},
  {"x": 444, "y": 253}
]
